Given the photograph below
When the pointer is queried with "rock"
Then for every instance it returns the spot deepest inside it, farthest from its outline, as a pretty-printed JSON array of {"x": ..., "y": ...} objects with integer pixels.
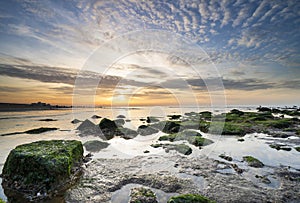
[
  {"x": 297, "y": 149},
  {"x": 39, "y": 130},
  {"x": 142, "y": 195},
  {"x": 146, "y": 151},
  {"x": 119, "y": 122},
  {"x": 236, "y": 111},
  {"x": 43, "y": 167},
  {"x": 88, "y": 128},
  {"x": 253, "y": 162},
  {"x": 190, "y": 198},
  {"x": 280, "y": 147},
  {"x": 192, "y": 137},
  {"x": 171, "y": 127},
  {"x": 151, "y": 119},
  {"x": 108, "y": 128},
  {"x": 206, "y": 115},
  {"x": 121, "y": 116},
  {"x": 48, "y": 119},
  {"x": 181, "y": 148},
  {"x": 95, "y": 145},
  {"x": 223, "y": 156},
  {"x": 174, "y": 117},
  {"x": 146, "y": 130},
  {"x": 241, "y": 140},
  {"x": 75, "y": 121},
  {"x": 264, "y": 109},
  {"x": 96, "y": 117},
  {"x": 127, "y": 133},
  {"x": 263, "y": 179},
  {"x": 237, "y": 169}
]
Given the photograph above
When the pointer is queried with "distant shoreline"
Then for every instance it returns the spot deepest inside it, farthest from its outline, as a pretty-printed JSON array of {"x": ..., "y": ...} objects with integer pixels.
[{"x": 13, "y": 107}]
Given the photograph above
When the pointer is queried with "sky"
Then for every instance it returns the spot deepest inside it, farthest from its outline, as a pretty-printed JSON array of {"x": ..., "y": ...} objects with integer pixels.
[{"x": 130, "y": 52}]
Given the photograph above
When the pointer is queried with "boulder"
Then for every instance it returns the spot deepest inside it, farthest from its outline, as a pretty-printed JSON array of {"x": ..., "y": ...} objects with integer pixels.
[
  {"x": 108, "y": 128},
  {"x": 146, "y": 130},
  {"x": 253, "y": 162},
  {"x": 119, "y": 122},
  {"x": 171, "y": 127},
  {"x": 43, "y": 167},
  {"x": 95, "y": 145},
  {"x": 127, "y": 133},
  {"x": 88, "y": 128}
]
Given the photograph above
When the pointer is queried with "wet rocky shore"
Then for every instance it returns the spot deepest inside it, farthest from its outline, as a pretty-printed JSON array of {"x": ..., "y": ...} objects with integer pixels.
[{"x": 171, "y": 159}]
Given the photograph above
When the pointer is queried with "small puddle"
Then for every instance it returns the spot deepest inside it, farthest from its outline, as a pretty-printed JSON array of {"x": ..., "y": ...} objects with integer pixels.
[{"x": 123, "y": 195}]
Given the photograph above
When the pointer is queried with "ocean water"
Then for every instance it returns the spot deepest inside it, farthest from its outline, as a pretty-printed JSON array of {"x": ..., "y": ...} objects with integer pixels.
[{"x": 254, "y": 144}]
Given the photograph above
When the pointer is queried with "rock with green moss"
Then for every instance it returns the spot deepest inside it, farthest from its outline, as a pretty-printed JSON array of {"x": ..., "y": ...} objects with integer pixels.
[
  {"x": 297, "y": 148},
  {"x": 181, "y": 148},
  {"x": 192, "y": 137},
  {"x": 280, "y": 147},
  {"x": 253, "y": 162},
  {"x": 142, "y": 195},
  {"x": 190, "y": 198},
  {"x": 42, "y": 167},
  {"x": 2, "y": 201}
]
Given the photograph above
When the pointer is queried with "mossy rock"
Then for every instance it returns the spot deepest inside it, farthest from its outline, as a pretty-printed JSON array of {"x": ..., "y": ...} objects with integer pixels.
[
  {"x": 229, "y": 128},
  {"x": 181, "y": 148},
  {"x": 190, "y": 198},
  {"x": 95, "y": 145},
  {"x": 2, "y": 201},
  {"x": 171, "y": 127},
  {"x": 192, "y": 137},
  {"x": 253, "y": 162},
  {"x": 297, "y": 148},
  {"x": 142, "y": 195},
  {"x": 42, "y": 167},
  {"x": 205, "y": 115}
]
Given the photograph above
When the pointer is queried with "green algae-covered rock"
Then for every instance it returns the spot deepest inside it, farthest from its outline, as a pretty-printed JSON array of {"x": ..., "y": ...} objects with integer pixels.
[
  {"x": 253, "y": 162},
  {"x": 190, "y": 198},
  {"x": 42, "y": 167},
  {"x": 142, "y": 195}
]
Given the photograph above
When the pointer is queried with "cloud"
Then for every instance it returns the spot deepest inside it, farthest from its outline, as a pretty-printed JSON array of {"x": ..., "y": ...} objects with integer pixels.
[{"x": 230, "y": 84}]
